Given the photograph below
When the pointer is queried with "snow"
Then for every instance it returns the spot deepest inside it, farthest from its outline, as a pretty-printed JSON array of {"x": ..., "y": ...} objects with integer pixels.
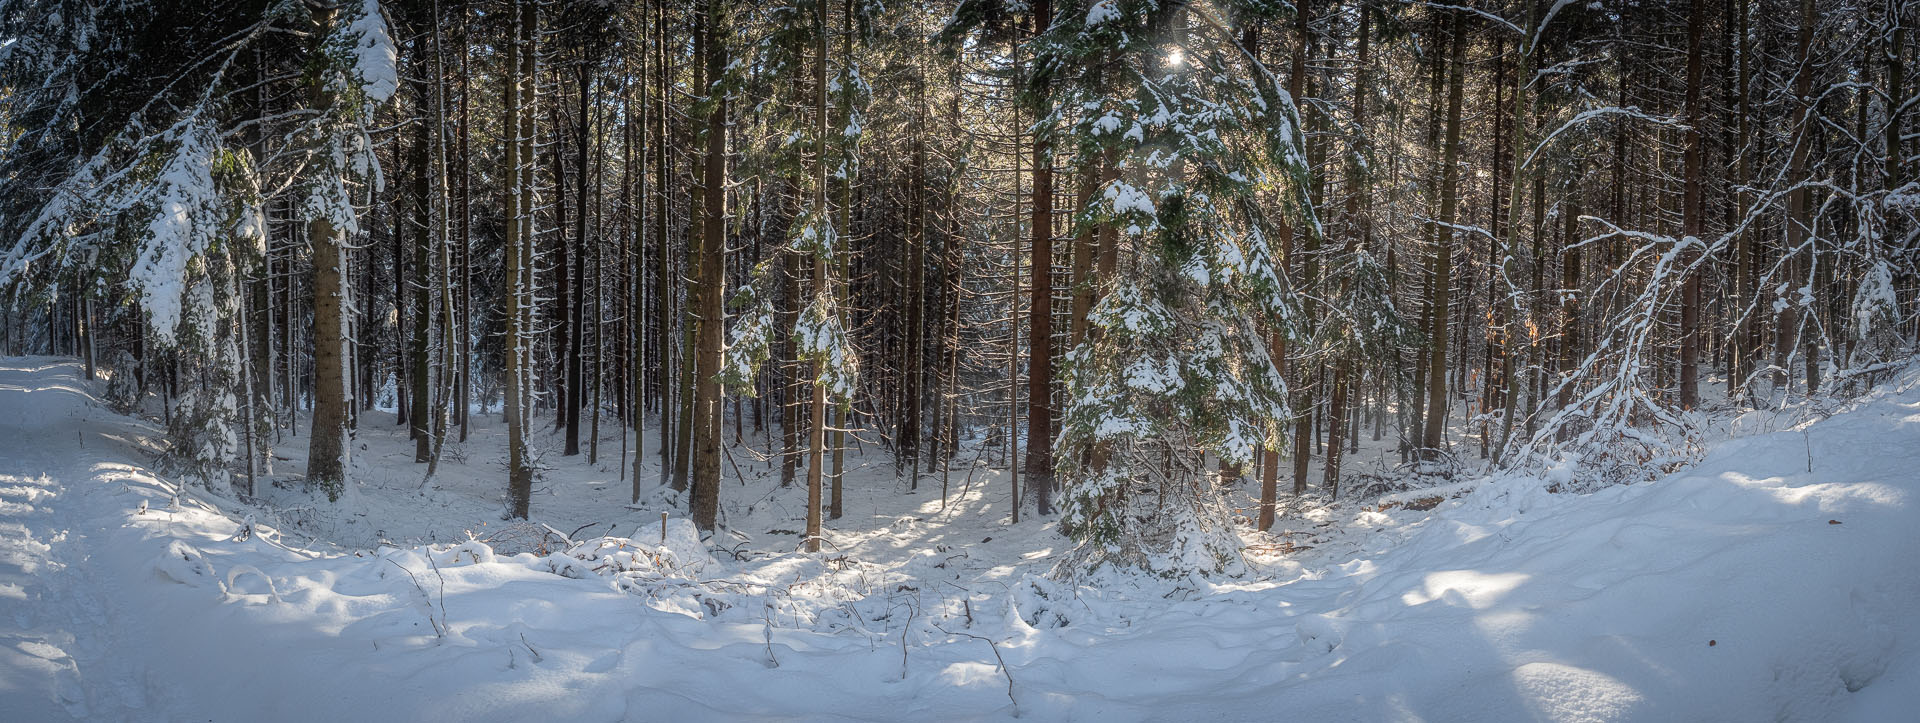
[
  {"x": 1102, "y": 12},
  {"x": 1876, "y": 304},
  {"x": 184, "y": 196},
  {"x": 1124, "y": 201},
  {"x": 375, "y": 57},
  {"x": 1772, "y": 581},
  {"x": 1153, "y": 378}
]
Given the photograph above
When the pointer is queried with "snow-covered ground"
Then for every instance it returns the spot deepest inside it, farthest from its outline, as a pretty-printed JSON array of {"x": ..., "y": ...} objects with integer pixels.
[{"x": 1776, "y": 580}]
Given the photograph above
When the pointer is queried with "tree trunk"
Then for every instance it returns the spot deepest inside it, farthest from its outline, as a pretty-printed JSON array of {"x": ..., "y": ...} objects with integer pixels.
[
  {"x": 1896, "y": 90},
  {"x": 1570, "y": 352},
  {"x": 817, "y": 429},
  {"x": 463, "y": 385},
  {"x": 1441, "y": 269},
  {"x": 639, "y": 350},
  {"x": 420, "y": 304},
  {"x": 835, "y": 507},
  {"x": 576, "y": 315},
  {"x": 1039, "y": 464},
  {"x": 1693, "y": 212},
  {"x": 1358, "y": 231},
  {"x": 519, "y": 101},
  {"x": 1303, "y": 388},
  {"x": 327, "y": 449},
  {"x": 1509, "y": 312},
  {"x": 1799, "y": 210},
  {"x": 449, "y": 330},
  {"x": 713, "y": 279},
  {"x": 1417, "y": 418}
]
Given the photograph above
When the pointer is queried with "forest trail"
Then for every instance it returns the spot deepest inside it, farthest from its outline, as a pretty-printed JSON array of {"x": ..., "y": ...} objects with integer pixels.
[
  {"x": 62, "y": 462},
  {"x": 1773, "y": 581}
]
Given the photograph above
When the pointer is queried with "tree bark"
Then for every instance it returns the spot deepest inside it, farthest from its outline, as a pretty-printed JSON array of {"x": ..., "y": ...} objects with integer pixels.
[
  {"x": 576, "y": 315},
  {"x": 1039, "y": 463},
  {"x": 817, "y": 430},
  {"x": 1693, "y": 211},
  {"x": 327, "y": 449},
  {"x": 713, "y": 279},
  {"x": 1358, "y": 231},
  {"x": 1799, "y": 211},
  {"x": 1304, "y": 387},
  {"x": 420, "y": 283},
  {"x": 1441, "y": 269},
  {"x": 519, "y": 103}
]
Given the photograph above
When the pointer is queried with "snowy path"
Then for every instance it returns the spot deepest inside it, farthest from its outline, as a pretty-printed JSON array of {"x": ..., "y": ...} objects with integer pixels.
[
  {"x": 58, "y": 648},
  {"x": 1746, "y": 588}
]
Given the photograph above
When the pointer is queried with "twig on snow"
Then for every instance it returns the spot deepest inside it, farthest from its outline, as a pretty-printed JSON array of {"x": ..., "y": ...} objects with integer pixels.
[{"x": 1004, "y": 670}]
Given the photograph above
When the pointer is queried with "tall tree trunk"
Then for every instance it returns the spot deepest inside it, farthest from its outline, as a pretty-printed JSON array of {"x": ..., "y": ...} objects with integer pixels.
[
  {"x": 520, "y": 101},
  {"x": 1570, "y": 352},
  {"x": 1522, "y": 117},
  {"x": 463, "y": 385},
  {"x": 1436, "y": 90},
  {"x": 662, "y": 276},
  {"x": 402, "y": 366},
  {"x": 1799, "y": 210},
  {"x": 1014, "y": 462},
  {"x": 640, "y": 350},
  {"x": 1303, "y": 386},
  {"x": 442, "y": 206},
  {"x": 1359, "y": 227},
  {"x": 689, "y": 263},
  {"x": 327, "y": 449},
  {"x": 848, "y": 171},
  {"x": 786, "y": 366},
  {"x": 1693, "y": 205},
  {"x": 817, "y": 407},
  {"x": 1741, "y": 352},
  {"x": 1039, "y": 464},
  {"x": 1441, "y": 270},
  {"x": 1276, "y": 341},
  {"x": 1896, "y": 93},
  {"x": 420, "y": 304},
  {"x": 913, "y": 356},
  {"x": 713, "y": 278},
  {"x": 576, "y": 314}
]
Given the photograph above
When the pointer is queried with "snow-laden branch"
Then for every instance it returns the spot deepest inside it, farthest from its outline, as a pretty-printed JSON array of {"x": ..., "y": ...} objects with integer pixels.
[
  {"x": 1475, "y": 11},
  {"x": 1587, "y": 115}
]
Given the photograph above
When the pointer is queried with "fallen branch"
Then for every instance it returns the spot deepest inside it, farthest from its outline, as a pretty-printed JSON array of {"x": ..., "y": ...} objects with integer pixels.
[{"x": 1004, "y": 670}]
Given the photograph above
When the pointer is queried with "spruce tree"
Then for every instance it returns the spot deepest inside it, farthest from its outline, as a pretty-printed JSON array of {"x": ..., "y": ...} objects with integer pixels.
[{"x": 1176, "y": 371}]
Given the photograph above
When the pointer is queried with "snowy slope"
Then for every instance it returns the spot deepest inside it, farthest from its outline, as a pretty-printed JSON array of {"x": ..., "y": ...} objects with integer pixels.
[{"x": 1774, "y": 581}]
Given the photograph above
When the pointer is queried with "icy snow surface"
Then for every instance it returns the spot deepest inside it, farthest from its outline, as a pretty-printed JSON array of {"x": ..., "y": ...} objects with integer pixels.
[{"x": 1746, "y": 588}]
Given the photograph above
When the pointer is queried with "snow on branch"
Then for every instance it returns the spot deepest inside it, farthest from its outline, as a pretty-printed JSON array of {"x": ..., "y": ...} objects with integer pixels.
[{"x": 1584, "y": 116}]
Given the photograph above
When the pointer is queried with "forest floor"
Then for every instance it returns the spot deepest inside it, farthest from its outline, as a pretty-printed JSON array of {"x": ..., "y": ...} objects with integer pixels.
[{"x": 1773, "y": 580}]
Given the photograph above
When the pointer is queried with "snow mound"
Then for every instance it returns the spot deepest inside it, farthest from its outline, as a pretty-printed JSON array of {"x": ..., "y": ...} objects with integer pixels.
[{"x": 183, "y": 564}]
